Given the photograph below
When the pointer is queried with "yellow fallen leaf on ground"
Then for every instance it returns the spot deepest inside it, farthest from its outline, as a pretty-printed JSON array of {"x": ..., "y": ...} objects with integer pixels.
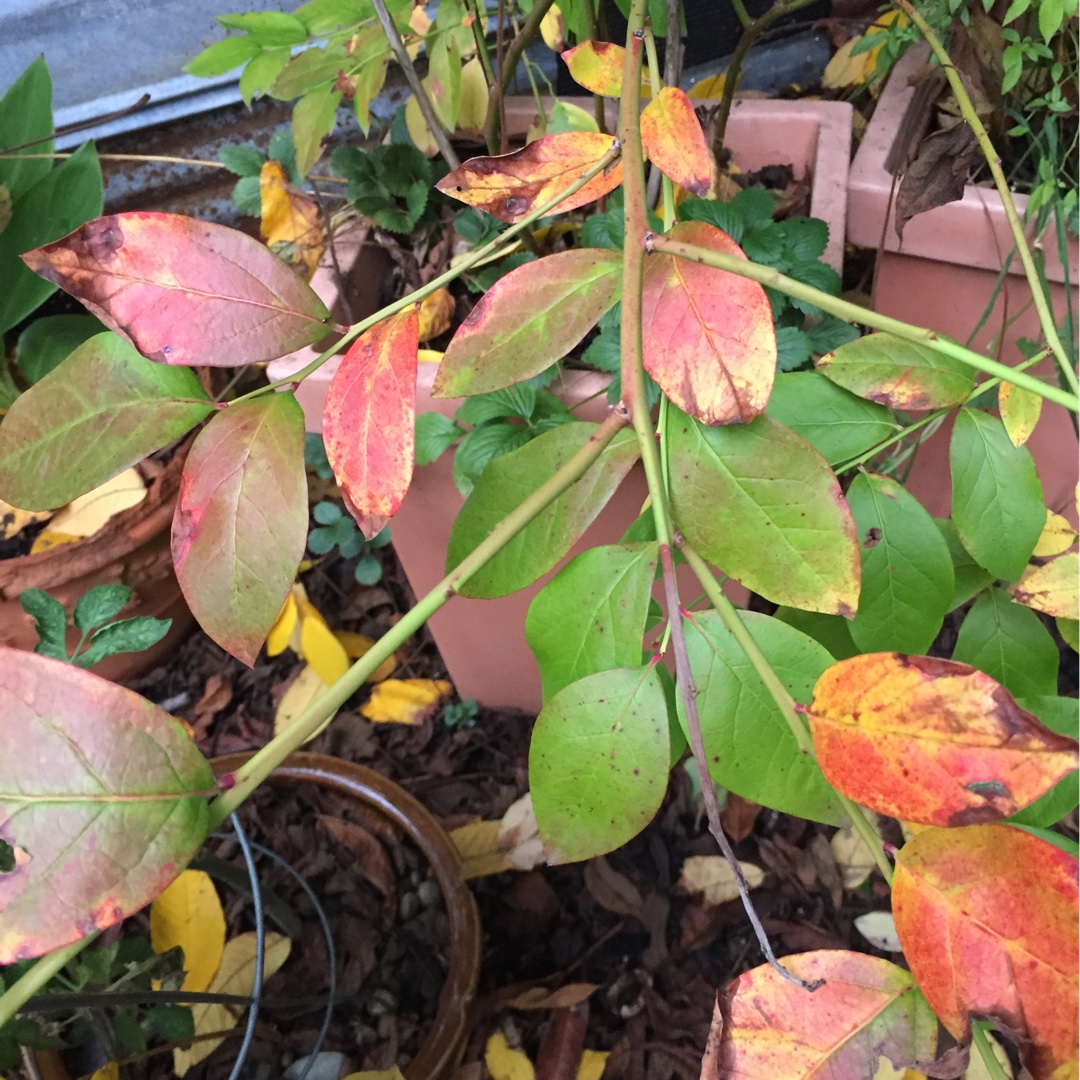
[
  {"x": 429, "y": 356},
  {"x": 506, "y": 1063},
  {"x": 357, "y": 645},
  {"x": 280, "y": 636},
  {"x": 301, "y": 692},
  {"x": 88, "y": 513},
  {"x": 710, "y": 87},
  {"x": 107, "y": 1072},
  {"x": 848, "y": 68},
  {"x": 711, "y": 878},
  {"x": 474, "y": 98},
  {"x": 478, "y": 845},
  {"x": 377, "y": 1074},
  {"x": 592, "y": 1064},
  {"x": 436, "y": 311},
  {"x": 291, "y": 224},
  {"x": 188, "y": 913},
  {"x": 1057, "y": 536},
  {"x": 235, "y": 975},
  {"x": 404, "y": 701},
  {"x": 319, "y": 647},
  {"x": 13, "y": 520},
  {"x": 853, "y": 857}
]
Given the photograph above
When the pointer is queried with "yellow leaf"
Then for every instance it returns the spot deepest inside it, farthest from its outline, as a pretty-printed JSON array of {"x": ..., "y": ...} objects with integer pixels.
[
  {"x": 188, "y": 913},
  {"x": 356, "y": 645},
  {"x": 711, "y": 87},
  {"x": 378, "y": 1074},
  {"x": 235, "y": 975},
  {"x": 302, "y": 691},
  {"x": 505, "y": 1063},
  {"x": 107, "y": 1072},
  {"x": 418, "y": 129},
  {"x": 1052, "y": 587},
  {"x": 292, "y": 224},
  {"x": 420, "y": 24},
  {"x": 49, "y": 539},
  {"x": 318, "y": 646},
  {"x": 277, "y": 641},
  {"x": 553, "y": 29},
  {"x": 1020, "y": 411},
  {"x": 436, "y": 311},
  {"x": 404, "y": 701},
  {"x": 1069, "y": 629},
  {"x": 711, "y": 878},
  {"x": 13, "y": 520},
  {"x": 592, "y": 1064},
  {"x": 844, "y": 69},
  {"x": 474, "y": 98},
  {"x": 1057, "y": 536},
  {"x": 429, "y": 356},
  {"x": 88, "y": 513},
  {"x": 478, "y": 845},
  {"x": 887, "y": 1071}
]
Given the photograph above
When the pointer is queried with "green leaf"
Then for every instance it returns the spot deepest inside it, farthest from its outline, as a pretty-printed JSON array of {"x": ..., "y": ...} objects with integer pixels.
[
  {"x": 806, "y": 238},
  {"x": 793, "y": 348},
  {"x": 1069, "y": 629},
  {"x": 529, "y": 319},
  {"x": 100, "y": 412},
  {"x": 261, "y": 72},
  {"x": 125, "y": 636},
  {"x": 590, "y": 616},
  {"x": 598, "y": 762},
  {"x": 749, "y": 745},
  {"x": 247, "y": 194},
  {"x": 326, "y": 513},
  {"x": 368, "y": 570},
  {"x": 832, "y": 631},
  {"x": 724, "y": 215},
  {"x": 312, "y": 121},
  {"x": 830, "y": 333},
  {"x": 898, "y": 373},
  {"x": 481, "y": 446},
  {"x": 50, "y": 621},
  {"x": 26, "y": 117},
  {"x": 99, "y": 605},
  {"x": 1009, "y": 643},
  {"x": 444, "y": 79},
  {"x": 322, "y": 16},
  {"x": 510, "y": 479},
  {"x": 171, "y": 1023},
  {"x": 1059, "y": 714},
  {"x": 65, "y": 198},
  {"x": 267, "y": 27},
  {"x": 518, "y": 400},
  {"x": 222, "y": 56},
  {"x": 307, "y": 70},
  {"x": 435, "y": 434},
  {"x": 818, "y": 275},
  {"x": 969, "y": 578},
  {"x": 836, "y": 423},
  {"x": 761, "y": 504},
  {"x": 241, "y": 520},
  {"x": 997, "y": 503},
  {"x": 907, "y": 572},
  {"x": 244, "y": 160},
  {"x": 48, "y": 342},
  {"x": 111, "y": 802}
]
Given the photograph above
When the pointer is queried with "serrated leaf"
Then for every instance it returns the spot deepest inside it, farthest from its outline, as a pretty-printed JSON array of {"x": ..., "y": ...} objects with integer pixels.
[
  {"x": 750, "y": 748},
  {"x": 50, "y": 620},
  {"x": 369, "y": 420},
  {"x": 976, "y": 953},
  {"x": 127, "y": 635},
  {"x": 707, "y": 334},
  {"x": 897, "y": 373},
  {"x": 512, "y": 185},
  {"x": 244, "y": 490},
  {"x": 997, "y": 503},
  {"x": 435, "y": 434},
  {"x": 222, "y": 56},
  {"x": 598, "y": 762},
  {"x": 188, "y": 914},
  {"x": 763, "y": 506},
  {"x": 481, "y": 446},
  {"x": 931, "y": 741},
  {"x": 907, "y": 574},
  {"x": 597, "y": 66},
  {"x": 184, "y": 291},
  {"x": 242, "y": 159},
  {"x": 550, "y": 535},
  {"x": 1051, "y": 587},
  {"x": 267, "y": 27},
  {"x": 591, "y": 616},
  {"x": 112, "y": 802},
  {"x": 99, "y": 605},
  {"x": 674, "y": 142},
  {"x": 530, "y": 318},
  {"x": 260, "y": 74}
]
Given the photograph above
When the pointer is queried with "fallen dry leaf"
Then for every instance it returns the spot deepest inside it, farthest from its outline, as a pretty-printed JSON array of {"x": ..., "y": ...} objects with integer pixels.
[
  {"x": 188, "y": 914},
  {"x": 536, "y": 997},
  {"x": 301, "y": 692},
  {"x": 291, "y": 224},
  {"x": 519, "y": 835},
  {"x": 506, "y": 1063},
  {"x": 879, "y": 928},
  {"x": 357, "y": 645},
  {"x": 436, "y": 311},
  {"x": 854, "y": 858},
  {"x": 371, "y": 858},
  {"x": 88, "y": 513},
  {"x": 711, "y": 878},
  {"x": 13, "y": 520},
  {"x": 404, "y": 701},
  {"x": 478, "y": 845}
]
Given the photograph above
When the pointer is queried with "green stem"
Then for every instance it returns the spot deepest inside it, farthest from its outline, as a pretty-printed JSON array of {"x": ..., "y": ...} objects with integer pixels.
[
  {"x": 479, "y": 29},
  {"x": 853, "y": 313},
  {"x": 666, "y": 186},
  {"x": 993, "y": 160},
  {"x": 35, "y": 980},
  {"x": 741, "y": 13},
  {"x": 981, "y": 1043},
  {"x": 729, "y": 616}
]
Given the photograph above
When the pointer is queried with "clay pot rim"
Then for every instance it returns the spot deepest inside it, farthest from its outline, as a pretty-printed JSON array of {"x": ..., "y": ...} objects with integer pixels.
[{"x": 442, "y": 1047}]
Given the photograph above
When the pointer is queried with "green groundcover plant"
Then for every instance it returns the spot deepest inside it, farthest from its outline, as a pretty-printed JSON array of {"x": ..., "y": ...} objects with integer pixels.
[{"x": 826, "y": 709}]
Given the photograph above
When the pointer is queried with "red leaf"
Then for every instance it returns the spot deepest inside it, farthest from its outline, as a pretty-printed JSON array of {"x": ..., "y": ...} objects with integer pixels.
[
  {"x": 674, "y": 141},
  {"x": 512, "y": 185},
  {"x": 184, "y": 291},
  {"x": 369, "y": 420},
  {"x": 987, "y": 916},
  {"x": 597, "y": 66},
  {"x": 931, "y": 741},
  {"x": 240, "y": 526},
  {"x": 707, "y": 334}
]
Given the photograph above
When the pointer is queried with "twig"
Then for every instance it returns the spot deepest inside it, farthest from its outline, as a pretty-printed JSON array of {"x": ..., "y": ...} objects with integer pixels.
[
  {"x": 673, "y": 48},
  {"x": 479, "y": 29},
  {"x": 599, "y": 106},
  {"x": 401, "y": 55}
]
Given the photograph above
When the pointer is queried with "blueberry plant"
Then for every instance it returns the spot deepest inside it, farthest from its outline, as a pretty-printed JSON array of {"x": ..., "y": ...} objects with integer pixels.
[{"x": 825, "y": 709}]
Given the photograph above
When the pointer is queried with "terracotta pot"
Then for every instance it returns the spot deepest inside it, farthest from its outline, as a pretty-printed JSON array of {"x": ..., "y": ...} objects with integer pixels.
[
  {"x": 441, "y": 1051},
  {"x": 131, "y": 549},
  {"x": 483, "y": 641},
  {"x": 942, "y": 275}
]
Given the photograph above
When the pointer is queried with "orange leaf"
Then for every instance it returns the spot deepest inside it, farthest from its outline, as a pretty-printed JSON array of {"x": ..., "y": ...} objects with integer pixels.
[
  {"x": 1051, "y": 587},
  {"x": 436, "y": 311},
  {"x": 674, "y": 141},
  {"x": 707, "y": 334},
  {"x": 369, "y": 417},
  {"x": 764, "y": 1025},
  {"x": 291, "y": 224},
  {"x": 931, "y": 741},
  {"x": 512, "y": 185},
  {"x": 987, "y": 919},
  {"x": 597, "y": 66}
]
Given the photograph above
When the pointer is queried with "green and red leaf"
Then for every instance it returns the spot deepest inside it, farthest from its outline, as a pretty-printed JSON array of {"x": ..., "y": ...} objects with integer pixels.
[
  {"x": 707, "y": 334},
  {"x": 932, "y": 741},
  {"x": 511, "y": 186},
  {"x": 184, "y": 291},
  {"x": 597, "y": 66},
  {"x": 240, "y": 525},
  {"x": 529, "y": 318},
  {"x": 987, "y": 916},
  {"x": 102, "y": 803},
  {"x": 369, "y": 420},
  {"x": 672, "y": 136}
]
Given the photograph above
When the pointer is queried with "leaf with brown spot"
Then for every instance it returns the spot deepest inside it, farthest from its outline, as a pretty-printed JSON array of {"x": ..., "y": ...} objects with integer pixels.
[
  {"x": 291, "y": 222},
  {"x": 938, "y": 175},
  {"x": 1052, "y": 587},
  {"x": 707, "y": 334},
  {"x": 597, "y": 66},
  {"x": 931, "y": 741},
  {"x": 511, "y": 186},
  {"x": 674, "y": 141},
  {"x": 184, "y": 291}
]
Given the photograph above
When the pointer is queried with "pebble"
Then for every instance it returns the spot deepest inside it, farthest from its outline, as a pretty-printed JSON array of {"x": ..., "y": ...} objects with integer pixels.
[{"x": 429, "y": 893}]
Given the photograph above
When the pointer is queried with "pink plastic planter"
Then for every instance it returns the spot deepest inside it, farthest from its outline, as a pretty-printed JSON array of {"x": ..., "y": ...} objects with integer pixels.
[{"x": 483, "y": 641}]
